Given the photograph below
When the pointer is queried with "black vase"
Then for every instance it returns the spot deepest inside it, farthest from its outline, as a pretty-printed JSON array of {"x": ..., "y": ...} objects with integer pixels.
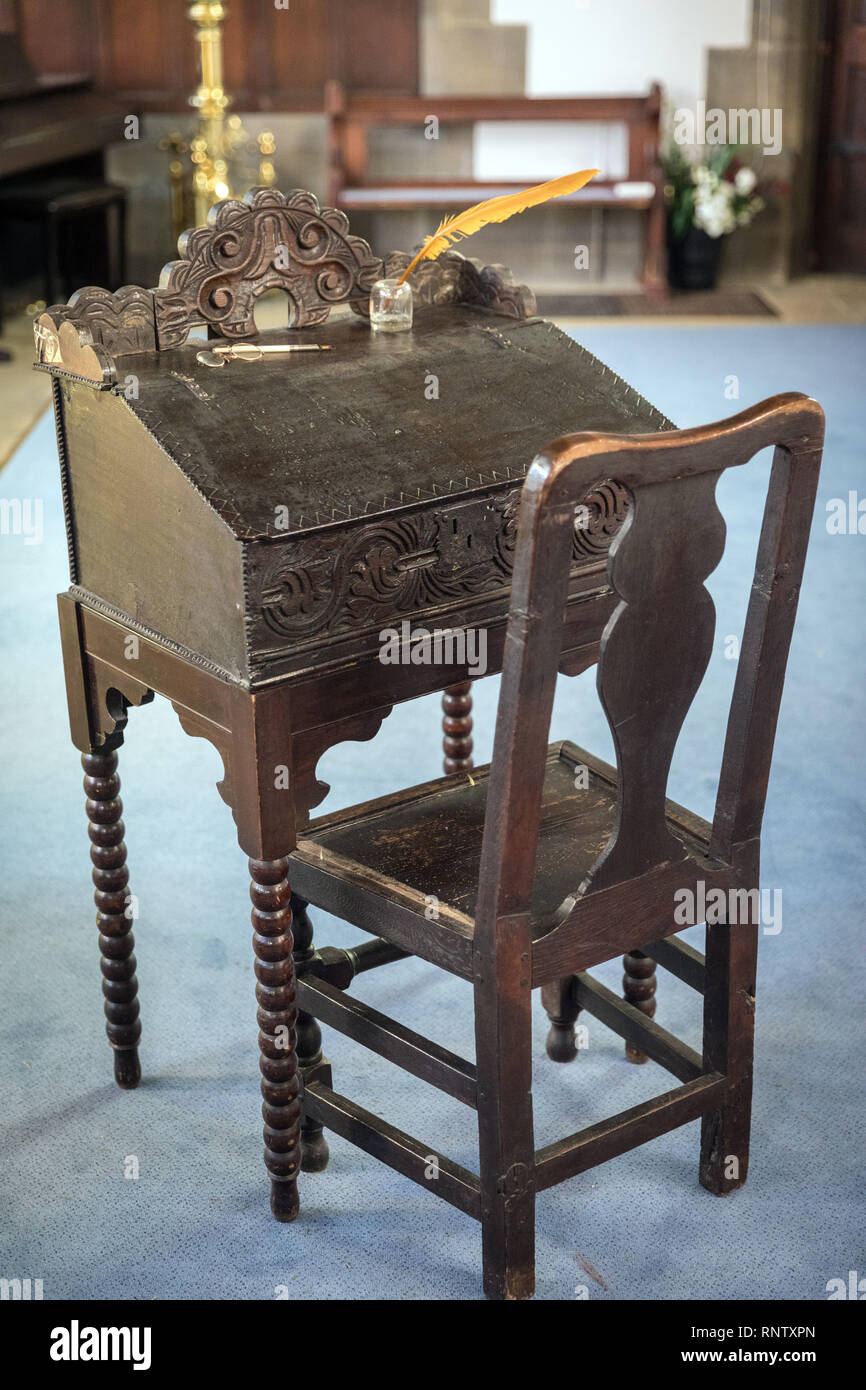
[{"x": 693, "y": 261}]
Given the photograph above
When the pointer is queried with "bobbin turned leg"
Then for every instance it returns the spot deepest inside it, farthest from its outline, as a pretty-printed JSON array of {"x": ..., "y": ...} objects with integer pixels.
[
  {"x": 277, "y": 1016},
  {"x": 116, "y": 941},
  {"x": 559, "y": 999},
  {"x": 254, "y": 758},
  {"x": 313, "y": 1066},
  {"x": 457, "y": 727},
  {"x": 639, "y": 989}
]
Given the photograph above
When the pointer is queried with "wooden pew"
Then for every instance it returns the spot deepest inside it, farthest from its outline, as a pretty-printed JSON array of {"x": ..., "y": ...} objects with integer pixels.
[{"x": 351, "y": 118}]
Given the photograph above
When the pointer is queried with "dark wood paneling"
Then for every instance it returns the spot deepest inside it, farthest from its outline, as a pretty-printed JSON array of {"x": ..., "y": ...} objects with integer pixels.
[
  {"x": 146, "y": 52},
  {"x": 380, "y": 45},
  {"x": 275, "y": 59},
  {"x": 59, "y": 40},
  {"x": 301, "y": 52},
  {"x": 841, "y": 205}
]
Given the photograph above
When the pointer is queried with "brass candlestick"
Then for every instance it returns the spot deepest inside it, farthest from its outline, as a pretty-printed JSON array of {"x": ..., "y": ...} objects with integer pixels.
[
  {"x": 210, "y": 145},
  {"x": 216, "y": 147}
]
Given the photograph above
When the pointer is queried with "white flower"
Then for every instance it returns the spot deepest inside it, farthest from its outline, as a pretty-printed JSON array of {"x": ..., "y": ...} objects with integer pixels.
[
  {"x": 744, "y": 181},
  {"x": 713, "y": 206}
]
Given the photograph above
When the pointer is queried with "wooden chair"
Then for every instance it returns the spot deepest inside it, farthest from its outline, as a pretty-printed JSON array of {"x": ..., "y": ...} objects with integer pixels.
[{"x": 532, "y": 899}]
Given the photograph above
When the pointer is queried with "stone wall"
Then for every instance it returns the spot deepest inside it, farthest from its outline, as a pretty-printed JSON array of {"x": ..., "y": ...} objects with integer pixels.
[{"x": 779, "y": 69}]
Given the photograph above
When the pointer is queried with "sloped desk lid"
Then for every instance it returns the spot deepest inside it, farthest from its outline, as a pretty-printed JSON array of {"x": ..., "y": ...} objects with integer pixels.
[{"x": 463, "y": 401}]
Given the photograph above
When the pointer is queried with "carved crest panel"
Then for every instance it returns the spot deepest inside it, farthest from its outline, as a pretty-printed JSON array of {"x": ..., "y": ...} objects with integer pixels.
[
  {"x": 269, "y": 241},
  {"x": 456, "y": 279}
]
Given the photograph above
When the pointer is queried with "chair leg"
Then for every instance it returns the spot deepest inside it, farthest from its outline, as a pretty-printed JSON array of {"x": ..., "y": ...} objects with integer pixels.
[
  {"x": 508, "y": 1213},
  {"x": 639, "y": 988},
  {"x": 116, "y": 941},
  {"x": 503, "y": 1045},
  {"x": 729, "y": 1030},
  {"x": 277, "y": 1015},
  {"x": 457, "y": 727},
  {"x": 559, "y": 999},
  {"x": 313, "y": 1066}
]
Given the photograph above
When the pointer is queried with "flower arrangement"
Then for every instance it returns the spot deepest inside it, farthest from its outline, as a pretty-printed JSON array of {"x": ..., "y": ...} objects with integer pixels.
[
  {"x": 706, "y": 199},
  {"x": 716, "y": 195}
]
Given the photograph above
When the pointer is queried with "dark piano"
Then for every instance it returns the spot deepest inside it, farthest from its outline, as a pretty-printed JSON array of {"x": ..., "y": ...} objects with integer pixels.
[
  {"x": 50, "y": 120},
  {"x": 53, "y": 130}
]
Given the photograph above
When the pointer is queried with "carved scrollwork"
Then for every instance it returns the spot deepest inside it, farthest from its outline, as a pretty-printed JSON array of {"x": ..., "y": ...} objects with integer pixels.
[
  {"x": 597, "y": 520},
  {"x": 433, "y": 282},
  {"x": 456, "y": 279},
  {"x": 494, "y": 287},
  {"x": 385, "y": 570},
  {"x": 82, "y": 337},
  {"x": 269, "y": 241},
  {"x": 120, "y": 323},
  {"x": 506, "y": 539},
  {"x": 64, "y": 348},
  {"x": 342, "y": 583}
]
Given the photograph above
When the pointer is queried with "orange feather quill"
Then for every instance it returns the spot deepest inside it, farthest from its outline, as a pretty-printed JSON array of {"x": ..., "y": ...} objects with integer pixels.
[{"x": 464, "y": 224}]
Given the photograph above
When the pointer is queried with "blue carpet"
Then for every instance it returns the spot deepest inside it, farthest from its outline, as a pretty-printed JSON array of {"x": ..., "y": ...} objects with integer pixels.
[{"x": 195, "y": 1222}]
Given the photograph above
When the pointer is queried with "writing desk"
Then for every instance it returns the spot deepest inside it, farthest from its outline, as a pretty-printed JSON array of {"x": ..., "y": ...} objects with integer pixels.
[{"x": 239, "y": 539}]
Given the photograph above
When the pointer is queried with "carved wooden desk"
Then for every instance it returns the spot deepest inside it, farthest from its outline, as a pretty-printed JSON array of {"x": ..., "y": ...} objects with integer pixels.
[{"x": 238, "y": 540}]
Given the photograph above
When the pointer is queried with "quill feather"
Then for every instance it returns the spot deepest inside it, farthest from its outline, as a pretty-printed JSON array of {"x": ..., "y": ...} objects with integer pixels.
[{"x": 464, "y": 224}]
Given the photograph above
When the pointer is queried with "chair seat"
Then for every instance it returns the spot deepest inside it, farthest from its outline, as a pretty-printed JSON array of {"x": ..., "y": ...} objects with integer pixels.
[{"x": 425, "y": 843}]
